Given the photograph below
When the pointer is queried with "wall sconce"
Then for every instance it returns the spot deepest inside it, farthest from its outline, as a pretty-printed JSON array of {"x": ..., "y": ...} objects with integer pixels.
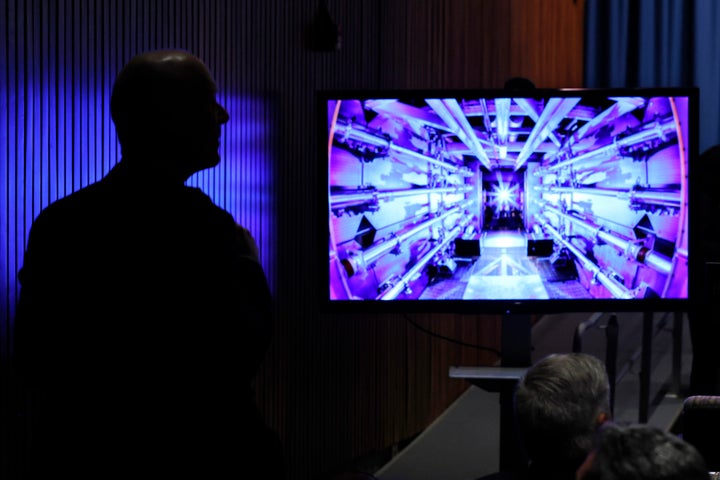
[{"x": 323, "y": 34}]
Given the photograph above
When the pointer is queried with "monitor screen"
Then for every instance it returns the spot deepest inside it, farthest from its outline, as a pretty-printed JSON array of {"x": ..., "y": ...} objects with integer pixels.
[{"x": 501, "y": 201}]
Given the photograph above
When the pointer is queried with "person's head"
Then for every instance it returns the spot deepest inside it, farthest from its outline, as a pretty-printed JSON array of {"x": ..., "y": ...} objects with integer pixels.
[
  {"x": 165, "y": 112},
  {"x": 559, "y": 403},
  {"x": 641, "y": 452}
]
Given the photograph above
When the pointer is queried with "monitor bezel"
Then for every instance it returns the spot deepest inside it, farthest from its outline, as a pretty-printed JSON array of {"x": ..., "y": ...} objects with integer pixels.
[{"x": 514, "y": 306}]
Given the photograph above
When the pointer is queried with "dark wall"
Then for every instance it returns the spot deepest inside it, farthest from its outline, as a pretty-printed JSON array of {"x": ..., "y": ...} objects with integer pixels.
[{"x": 336, "y": 387}]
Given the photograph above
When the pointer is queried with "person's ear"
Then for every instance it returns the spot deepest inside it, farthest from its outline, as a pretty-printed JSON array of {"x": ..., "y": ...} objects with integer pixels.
[
  {"x": 602, "y": 418},
  {"x": 585, "y": 466}
]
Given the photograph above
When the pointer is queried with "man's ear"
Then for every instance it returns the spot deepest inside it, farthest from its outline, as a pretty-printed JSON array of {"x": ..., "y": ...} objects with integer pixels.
[{"x": 602, "y": 418}]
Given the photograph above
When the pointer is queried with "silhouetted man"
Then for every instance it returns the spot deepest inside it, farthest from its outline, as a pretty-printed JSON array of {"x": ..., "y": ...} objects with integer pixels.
[{"x": 144, "y": 313}]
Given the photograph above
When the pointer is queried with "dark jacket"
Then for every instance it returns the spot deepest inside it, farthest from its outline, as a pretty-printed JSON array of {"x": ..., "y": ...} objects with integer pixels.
[{"x": 142, "y": 320}]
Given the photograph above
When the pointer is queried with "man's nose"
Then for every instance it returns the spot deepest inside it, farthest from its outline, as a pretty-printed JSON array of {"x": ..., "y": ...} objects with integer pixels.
[{"x": 222, "y": 114}]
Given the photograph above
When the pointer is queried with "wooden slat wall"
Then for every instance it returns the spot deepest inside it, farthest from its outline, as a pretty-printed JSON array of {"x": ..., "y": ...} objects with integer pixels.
[
  {"x": 59, "y": 60},
  {"x": 335, "y": 388}
]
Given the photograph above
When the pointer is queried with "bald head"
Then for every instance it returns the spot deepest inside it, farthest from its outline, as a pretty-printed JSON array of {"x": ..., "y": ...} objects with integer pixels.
[{"x": 164, "y": 108}]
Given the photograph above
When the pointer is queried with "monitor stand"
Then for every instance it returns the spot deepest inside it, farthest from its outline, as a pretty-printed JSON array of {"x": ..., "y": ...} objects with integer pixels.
[
  {"x": 516, "y": 343},
  {"x": 516, "y": 358}
]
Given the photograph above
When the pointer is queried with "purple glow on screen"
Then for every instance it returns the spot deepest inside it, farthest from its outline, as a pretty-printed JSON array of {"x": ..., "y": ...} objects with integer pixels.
[{"x": 573, "y": 196}]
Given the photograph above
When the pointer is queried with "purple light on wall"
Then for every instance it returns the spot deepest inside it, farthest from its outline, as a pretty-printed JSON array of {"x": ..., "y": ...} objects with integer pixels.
[
  {"x": 242, "y": 183},
  {"x": 55, "y": 142}
]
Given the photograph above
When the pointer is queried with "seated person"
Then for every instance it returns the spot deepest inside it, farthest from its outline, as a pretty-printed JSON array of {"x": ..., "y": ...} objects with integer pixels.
[
  {"x": 641, "y": 452},
  {"x": 559, "y": 404}
]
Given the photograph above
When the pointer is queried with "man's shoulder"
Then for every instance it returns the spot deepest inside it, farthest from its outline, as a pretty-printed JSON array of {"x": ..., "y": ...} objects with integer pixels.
[
  {"x": 204, "y": 204},
  {"x": 86, "y": 199}
]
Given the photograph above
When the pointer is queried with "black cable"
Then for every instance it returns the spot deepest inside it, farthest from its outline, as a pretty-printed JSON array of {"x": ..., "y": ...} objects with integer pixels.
[{"x": 453, "y": 340}]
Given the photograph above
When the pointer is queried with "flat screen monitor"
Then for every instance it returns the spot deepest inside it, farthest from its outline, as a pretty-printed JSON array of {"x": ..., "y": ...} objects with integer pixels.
[{"x": 508, "y": 201}]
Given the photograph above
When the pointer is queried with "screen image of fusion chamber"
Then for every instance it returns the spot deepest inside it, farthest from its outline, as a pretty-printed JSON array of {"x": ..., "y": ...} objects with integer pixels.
[{"x": 508, "y": 198}]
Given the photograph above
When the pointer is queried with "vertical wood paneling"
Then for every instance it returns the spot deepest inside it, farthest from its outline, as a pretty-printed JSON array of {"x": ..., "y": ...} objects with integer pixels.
[
  {"x": 550, "y": 48},
  {"x": 335, "y": 387},
  {"x": 58, "y": 63},
  {"x": 5, "y": 275}
]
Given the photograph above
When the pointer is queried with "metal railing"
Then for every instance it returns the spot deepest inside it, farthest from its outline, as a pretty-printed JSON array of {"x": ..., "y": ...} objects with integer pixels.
[{"x": 642, "y": 354}]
